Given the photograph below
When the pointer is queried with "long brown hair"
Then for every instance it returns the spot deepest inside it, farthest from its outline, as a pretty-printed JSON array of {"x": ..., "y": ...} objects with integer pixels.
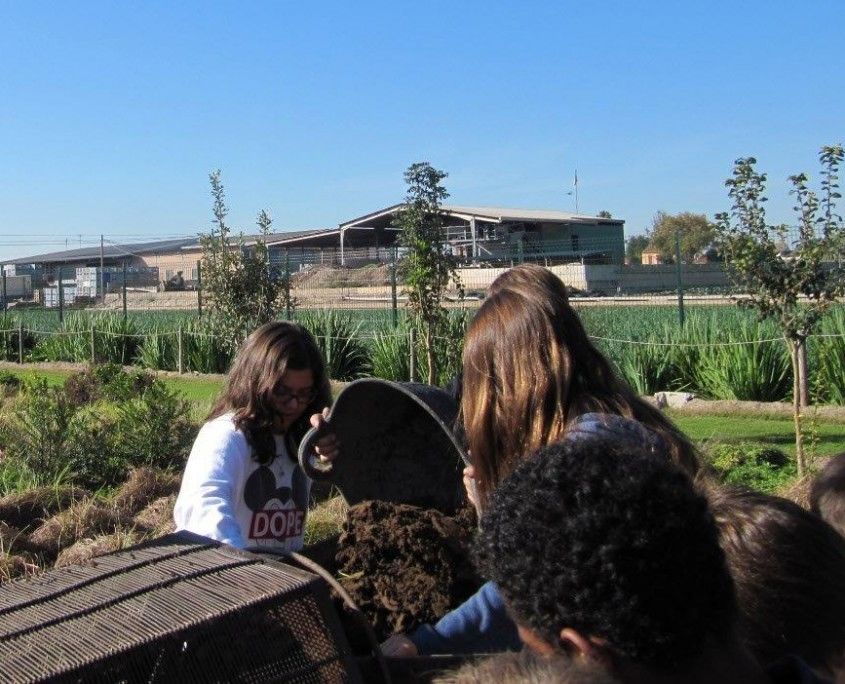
[
  {"x": 259, "y": 364},
  {"x": 529, "y": 370}
]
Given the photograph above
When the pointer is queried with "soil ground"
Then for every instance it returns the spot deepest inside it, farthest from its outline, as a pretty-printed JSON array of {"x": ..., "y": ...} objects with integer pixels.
[{"x": 404, "y": 565}]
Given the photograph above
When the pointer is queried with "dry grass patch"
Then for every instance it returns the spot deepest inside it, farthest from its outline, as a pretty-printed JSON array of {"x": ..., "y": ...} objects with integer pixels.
[
  {"x": 81, "y": 520},
  {"x": 85, "y": 549},
  {"x": 29, "y": 508},
  {"x": 143, "y": 486},
  {"x": 13, "y": 566},
  {"x": 157, "y": 519},
  {"x": 325, "y": 519}
]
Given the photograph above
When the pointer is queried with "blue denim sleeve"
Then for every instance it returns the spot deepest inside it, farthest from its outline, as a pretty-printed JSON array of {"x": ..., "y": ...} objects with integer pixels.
[{"x": 480, "y": 625}]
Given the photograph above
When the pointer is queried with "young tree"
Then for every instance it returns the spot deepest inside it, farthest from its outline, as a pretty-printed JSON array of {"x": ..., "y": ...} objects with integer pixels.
[
  {"x": 793, "y": 289},
  {"x": 696, "y": 232},
  {"x": 428, "y": 266},
  {"x": 242, "y": 287}
]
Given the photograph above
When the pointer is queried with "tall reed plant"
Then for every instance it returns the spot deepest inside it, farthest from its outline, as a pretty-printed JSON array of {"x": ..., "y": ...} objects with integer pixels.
[
  {"x": 340, "y": 340},
  {"x": 751, "y": 370},
  {"x": 827, "y": 359}
]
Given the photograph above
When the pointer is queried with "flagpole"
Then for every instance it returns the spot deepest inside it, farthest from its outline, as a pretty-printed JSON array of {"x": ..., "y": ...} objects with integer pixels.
[{"x": 576, "y": 192}]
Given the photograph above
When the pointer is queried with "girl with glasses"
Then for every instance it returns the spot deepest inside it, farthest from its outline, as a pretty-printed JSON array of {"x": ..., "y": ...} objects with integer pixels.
[{"x": 242, "y": 484}]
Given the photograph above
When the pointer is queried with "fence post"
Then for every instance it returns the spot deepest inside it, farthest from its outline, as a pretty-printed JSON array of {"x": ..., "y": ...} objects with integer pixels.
[
  {"x": 93, "y": 352},
  {"x": 287, "y": 283},
  {"x": 20, "y": 341},
  {"x": 124, "y": 289},
  {"x": 179, "y": 349},
  {"x": 199, "y": 289},
  {"x": 394, "y": 312},
  {"x": 5, "y": 307},
  {"x": 411, "y": 354},
  {"x": 61, "y": 297},
  {"x": 679, "y": 274}
]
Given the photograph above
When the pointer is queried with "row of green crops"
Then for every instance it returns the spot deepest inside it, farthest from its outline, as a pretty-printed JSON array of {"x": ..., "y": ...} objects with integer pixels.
[{"x": 720, "y": 352}]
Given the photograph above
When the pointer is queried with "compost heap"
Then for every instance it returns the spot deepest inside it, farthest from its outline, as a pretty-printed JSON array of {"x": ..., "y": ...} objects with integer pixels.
[{"x": 405, "y": 565}]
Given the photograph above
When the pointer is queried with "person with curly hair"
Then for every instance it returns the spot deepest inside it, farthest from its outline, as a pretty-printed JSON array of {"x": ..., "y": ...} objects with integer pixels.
[{"x": 607, "y": 554}]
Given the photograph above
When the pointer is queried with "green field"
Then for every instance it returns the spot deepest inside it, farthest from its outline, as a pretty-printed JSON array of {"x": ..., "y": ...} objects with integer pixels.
[{"x": 825, "y": 438}]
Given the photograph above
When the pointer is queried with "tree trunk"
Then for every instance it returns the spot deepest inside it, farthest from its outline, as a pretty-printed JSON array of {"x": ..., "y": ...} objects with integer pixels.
[
  {"x": 429, "y": 352},
  {"x": 795, "y": 353},
  {"x": 803, "y": 372}
]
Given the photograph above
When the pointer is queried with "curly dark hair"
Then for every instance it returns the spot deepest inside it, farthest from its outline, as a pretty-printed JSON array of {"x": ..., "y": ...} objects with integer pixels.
[{"x": 614, "y": 543}]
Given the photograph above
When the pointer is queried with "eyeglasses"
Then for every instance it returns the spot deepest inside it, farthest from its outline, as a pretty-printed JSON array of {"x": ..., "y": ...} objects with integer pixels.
[{"x": 285, "y": 394}]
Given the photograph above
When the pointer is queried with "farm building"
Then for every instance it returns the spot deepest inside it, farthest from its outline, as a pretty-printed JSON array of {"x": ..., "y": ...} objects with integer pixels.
[
  {"x": 495, "y": 234},
  {"x": 474, "y": 234}
]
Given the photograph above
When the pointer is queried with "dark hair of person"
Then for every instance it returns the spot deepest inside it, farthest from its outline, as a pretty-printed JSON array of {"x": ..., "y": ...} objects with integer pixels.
[
  {"x": 259, "y": 365},
  {"x": 609, "y": 541},
  {"x": 827, "y": 493},
  {"x": 529, "y": 370},
  {"x": 788, "y": 566}
]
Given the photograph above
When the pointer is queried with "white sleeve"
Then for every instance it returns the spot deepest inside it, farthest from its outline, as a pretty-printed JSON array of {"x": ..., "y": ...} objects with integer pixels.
[{"x": 206, "y": 504}]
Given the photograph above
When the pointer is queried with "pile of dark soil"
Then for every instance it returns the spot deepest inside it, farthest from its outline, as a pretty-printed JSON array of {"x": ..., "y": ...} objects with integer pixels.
[{"x": 405, "y": 565}]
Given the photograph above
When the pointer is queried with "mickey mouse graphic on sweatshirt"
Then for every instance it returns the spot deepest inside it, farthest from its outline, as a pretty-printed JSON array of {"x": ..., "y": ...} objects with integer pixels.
[{"x": 229, "y": 496}]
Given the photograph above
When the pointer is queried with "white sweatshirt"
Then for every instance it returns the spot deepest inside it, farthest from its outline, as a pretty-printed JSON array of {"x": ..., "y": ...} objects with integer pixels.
[{"x": 228, "y": 496}]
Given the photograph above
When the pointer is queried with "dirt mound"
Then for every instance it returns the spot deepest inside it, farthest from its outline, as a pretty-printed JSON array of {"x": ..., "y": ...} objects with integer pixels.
[
  {"x": 405, "y": 565},
  {"x": 28, "y": 509},
  {"x": 338, "y": 276},
  {"x": 157, "y": 519},
  {"x": 143, "y": 486},
  {"x": 86, "y": 549},
  {"x": 81, "y": 520}
]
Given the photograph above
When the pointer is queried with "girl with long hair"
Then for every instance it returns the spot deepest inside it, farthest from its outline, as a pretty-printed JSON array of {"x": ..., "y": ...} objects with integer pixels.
[
  {"x": 242, "y": 483},
  {"x": 532, "y": 377}
]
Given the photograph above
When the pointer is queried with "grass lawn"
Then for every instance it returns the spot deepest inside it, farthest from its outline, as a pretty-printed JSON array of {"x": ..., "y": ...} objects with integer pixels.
[{"x": 827, "y": 438}]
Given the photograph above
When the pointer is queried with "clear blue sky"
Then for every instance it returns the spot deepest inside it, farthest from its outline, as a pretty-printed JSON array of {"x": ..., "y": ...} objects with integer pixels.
[{"x": 113, "y": 114}]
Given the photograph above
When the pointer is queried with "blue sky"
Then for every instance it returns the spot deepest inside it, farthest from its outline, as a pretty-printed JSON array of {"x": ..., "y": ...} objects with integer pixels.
[{"x": 113, "y": 114}]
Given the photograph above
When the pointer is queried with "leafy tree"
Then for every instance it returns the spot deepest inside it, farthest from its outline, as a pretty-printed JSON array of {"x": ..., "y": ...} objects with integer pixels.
[
  {"x": 794, "y": 289},
  {"x": 428, "y": 266},
  {"x": 635, "y": 246},
  {"x": 242, "y": 287},
  {"x": 604, "y": 213},
  {"x": 695, "y": 230}
]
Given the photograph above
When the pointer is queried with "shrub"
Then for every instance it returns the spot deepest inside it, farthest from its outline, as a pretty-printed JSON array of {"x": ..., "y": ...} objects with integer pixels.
[
  {"x": 130, "y": 419},
  {"x": 752, "y": 465},
  {"x": 106, "y": 381},
  {"x": 154, "y": 430}
]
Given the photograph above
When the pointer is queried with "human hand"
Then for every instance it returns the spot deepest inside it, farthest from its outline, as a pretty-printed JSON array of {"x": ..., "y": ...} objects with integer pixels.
[
  {"x": 471, "y": 485},
  {"x": 399, "y": 646},
  {"x": 327, "y": 447}
]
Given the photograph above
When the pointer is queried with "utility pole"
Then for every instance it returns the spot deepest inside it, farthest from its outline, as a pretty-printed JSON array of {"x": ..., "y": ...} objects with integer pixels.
[{"x": 102, "y": 275}]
